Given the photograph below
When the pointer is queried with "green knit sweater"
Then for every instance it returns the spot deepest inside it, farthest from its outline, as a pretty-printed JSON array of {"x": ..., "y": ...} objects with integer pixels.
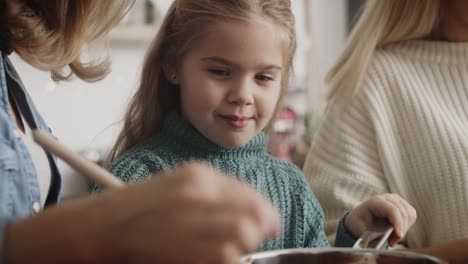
[{"x": 282, "y": 182}]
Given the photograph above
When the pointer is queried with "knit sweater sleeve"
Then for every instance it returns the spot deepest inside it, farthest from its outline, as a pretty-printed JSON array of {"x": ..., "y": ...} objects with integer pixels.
[
  {"x": 314, "y": 233},
  {"x": 306, "y": 217},
  {"x": 135, "y": 166},
  {"x": 343, "y": 166}
]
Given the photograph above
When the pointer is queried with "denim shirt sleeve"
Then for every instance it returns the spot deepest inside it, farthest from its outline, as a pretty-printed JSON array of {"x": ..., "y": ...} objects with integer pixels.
[
  {"x": 19, "y": 188},
  {"x": 7, "y": 166}
]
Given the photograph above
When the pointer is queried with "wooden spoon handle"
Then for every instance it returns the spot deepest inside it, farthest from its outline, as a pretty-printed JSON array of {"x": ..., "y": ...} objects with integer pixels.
[{"x": 87, "y": 168}]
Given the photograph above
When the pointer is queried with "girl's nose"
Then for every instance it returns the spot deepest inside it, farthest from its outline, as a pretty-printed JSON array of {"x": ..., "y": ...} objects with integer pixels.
[{"x": 241, "y": 94}]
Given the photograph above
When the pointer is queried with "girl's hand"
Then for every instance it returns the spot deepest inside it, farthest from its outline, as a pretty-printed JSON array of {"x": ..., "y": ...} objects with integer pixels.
[{"x": 390, "y": 206}]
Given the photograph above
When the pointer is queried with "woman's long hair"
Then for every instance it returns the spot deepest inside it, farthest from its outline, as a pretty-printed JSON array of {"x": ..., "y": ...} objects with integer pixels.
[{"x": 382, "y": 22}]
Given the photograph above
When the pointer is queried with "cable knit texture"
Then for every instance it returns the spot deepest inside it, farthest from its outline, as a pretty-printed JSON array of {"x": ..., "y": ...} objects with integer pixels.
[
  {"x": 281, "y": 182},
  {"x": 405, "y": 132}
]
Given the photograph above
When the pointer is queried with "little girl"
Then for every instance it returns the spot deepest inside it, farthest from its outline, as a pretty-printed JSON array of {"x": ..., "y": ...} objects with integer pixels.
[{"x": 211, "y": 83}]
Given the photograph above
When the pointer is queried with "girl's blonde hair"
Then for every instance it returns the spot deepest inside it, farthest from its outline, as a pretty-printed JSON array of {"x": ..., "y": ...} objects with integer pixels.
[
  {"x": 183, "y": 23},
  {"x": 51, "y": 34},
  {"x": 382, "y": 22}
]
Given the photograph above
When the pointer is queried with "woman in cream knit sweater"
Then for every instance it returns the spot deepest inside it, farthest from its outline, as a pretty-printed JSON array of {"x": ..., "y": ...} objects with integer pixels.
[{"x": 397, "y": 118}]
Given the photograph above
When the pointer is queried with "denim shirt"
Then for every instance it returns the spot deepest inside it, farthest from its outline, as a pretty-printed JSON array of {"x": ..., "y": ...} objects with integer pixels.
[{"x": 19, "y": 187}]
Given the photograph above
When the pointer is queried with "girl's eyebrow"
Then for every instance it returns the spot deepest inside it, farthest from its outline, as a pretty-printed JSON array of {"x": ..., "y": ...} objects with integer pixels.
[
  {"x": 230, "y": 63},
  {"x": 219, "y": 60}
]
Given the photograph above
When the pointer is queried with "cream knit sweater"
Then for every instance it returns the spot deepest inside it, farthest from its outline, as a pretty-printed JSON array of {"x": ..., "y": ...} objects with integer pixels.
[{"x": 405, "y": 132}]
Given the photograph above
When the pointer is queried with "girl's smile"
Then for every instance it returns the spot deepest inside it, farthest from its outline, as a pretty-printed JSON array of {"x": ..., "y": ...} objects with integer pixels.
[{"x": 236, "y": 121}]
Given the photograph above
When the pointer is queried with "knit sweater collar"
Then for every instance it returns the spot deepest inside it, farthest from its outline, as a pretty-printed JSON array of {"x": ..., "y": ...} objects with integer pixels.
[
  {"x": 434, "y": 51},
  {"x": 180, "y": 134}
]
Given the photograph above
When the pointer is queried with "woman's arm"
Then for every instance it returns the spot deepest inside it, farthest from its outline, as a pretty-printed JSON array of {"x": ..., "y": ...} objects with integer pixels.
[{"x": 208, "y": 216}]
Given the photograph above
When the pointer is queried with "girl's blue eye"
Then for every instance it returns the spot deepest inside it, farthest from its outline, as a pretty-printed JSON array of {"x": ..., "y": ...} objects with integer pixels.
[{"x": 219, "y": 72}]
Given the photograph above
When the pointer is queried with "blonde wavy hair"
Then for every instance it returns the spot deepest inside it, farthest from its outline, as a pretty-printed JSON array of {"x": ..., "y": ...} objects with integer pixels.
[
  {"x": 185, "y": 19},
  {"x": 382, "y": 22},
  {"x": 51, "y": 34}
]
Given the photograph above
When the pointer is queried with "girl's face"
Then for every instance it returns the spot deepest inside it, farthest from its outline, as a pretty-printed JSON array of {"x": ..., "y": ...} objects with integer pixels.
[{"x": 230, "y": 80}]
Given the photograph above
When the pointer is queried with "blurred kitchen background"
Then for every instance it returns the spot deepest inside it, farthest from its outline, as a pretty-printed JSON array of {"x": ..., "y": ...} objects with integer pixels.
[{"x": 86, "y": 117}]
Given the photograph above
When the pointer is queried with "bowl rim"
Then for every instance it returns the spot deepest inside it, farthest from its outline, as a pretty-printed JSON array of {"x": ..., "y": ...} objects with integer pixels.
[{"x": 395, "y": 253}]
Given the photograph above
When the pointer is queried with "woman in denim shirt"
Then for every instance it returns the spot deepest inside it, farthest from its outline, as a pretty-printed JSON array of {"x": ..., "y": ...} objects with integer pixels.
[{"x": 120, "y": 226}]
